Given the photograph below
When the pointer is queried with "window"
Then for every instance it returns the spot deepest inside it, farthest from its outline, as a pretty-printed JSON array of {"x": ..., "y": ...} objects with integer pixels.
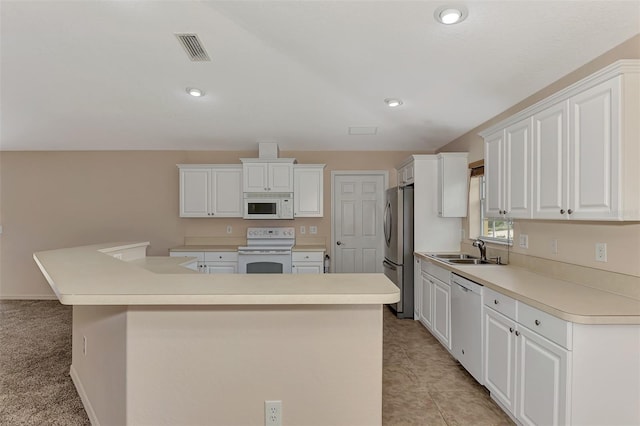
[{"x": 494, "y": 230}]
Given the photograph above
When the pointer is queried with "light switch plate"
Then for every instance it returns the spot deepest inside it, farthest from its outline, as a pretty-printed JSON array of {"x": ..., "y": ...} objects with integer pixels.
[
  {"x": 524, "y": 241},
  {"x": 303, "y": 229}
]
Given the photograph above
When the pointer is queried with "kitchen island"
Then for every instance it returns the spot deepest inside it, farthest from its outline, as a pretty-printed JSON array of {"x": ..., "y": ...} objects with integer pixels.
[{"x": 155, "y": 343}]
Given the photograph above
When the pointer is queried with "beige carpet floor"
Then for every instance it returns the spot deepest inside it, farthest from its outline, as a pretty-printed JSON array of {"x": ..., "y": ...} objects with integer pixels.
[{"x": 423, "y": 384}]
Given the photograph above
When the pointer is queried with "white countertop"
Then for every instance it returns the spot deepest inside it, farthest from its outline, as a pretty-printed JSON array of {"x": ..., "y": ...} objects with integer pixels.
[
  {"x": 87, "y": 276},
  {"x": 569, "y": 301},
  {"x": 227, "y": 247}
]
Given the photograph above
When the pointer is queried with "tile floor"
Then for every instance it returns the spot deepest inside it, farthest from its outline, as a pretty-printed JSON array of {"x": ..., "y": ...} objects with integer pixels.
[{"x": 424, "y": 385}]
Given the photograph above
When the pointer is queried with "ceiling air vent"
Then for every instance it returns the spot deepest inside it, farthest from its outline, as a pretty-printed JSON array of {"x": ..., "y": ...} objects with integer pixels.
[{"x": 193, "y": 47}]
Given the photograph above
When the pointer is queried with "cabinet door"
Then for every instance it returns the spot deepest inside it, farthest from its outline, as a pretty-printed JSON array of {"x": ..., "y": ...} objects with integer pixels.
[
  {"x": 550, "y": 162},
  {"x": 500, "y": 358},
  {"x": 226, "y": 199},
  {"x": 594, "y": 152},
  {"x": 442, "y": 312},
  {"x": 517, "y": 170},
  {"x": 426, "y": 305},
  {"x": 194, "y": 192},
  {"x": 307, "y": 268},
  {"x": 308, "y": 191},
  {"x": 453, "y": 187},
  {"x": 280, "y": 177},
  {"x": 417, "y": 289},
  {"x": 542, "y": 380},
  {"x": 494, "y": 174},
  {"x": 222, "y": 268},
  {"x": 255, "y": 177}
]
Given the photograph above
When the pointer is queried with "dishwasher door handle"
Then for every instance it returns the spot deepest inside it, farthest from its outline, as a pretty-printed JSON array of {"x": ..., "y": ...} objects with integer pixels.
[{"x": 461, "y": 286}]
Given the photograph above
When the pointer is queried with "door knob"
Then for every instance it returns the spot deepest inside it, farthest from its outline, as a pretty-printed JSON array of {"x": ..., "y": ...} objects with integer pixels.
[{"x": 339, "y": 243}]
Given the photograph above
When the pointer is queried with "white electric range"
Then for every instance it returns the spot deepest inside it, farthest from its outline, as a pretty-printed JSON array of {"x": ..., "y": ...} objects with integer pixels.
[{"x": 268, "y": 251}]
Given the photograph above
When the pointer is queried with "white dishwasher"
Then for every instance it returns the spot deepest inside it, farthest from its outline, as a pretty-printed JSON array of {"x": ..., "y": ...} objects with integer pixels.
[{"x": 466, "y": 324}]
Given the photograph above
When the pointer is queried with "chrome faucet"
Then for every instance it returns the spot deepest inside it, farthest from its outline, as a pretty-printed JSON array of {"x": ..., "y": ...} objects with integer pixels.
[{"x": 483, "y": 249}]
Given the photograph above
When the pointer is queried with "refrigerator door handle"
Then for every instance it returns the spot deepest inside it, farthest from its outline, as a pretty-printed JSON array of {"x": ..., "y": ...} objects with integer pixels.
[
  {"x": 389, "y": 265},
  {"x": 387, "y": 223}
]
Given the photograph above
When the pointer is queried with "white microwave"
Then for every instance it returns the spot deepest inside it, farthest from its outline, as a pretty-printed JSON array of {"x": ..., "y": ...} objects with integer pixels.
[{"x": 259, "y": 205}]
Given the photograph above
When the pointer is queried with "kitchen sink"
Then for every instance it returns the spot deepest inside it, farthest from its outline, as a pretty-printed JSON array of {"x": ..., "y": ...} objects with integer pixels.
[
  {"x": 458, "y": 256},
  {"x": 468, "y": 261}
]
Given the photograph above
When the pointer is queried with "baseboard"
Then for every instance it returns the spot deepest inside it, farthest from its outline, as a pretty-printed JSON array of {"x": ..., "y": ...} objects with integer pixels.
[
  {"x": 83, "y": 397},
  {"x": 29, "y": 297}
]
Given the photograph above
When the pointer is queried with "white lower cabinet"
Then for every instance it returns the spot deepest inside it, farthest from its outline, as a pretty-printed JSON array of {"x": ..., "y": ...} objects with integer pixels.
[
  {"x": 212, "y": 262},
  {"x": 307, "y": 262},
  {"x": 435, "y": 302},
  {"x": 526, "y": 372}
]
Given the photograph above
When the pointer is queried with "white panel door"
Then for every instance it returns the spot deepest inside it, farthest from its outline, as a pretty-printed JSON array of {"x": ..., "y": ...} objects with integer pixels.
[
  {"x": 226, "y": 199},
  {"x": 494, "y": 174},
  {"x": 280, "y": 177},
  {"x": 426, "y": 301},
  {"x": 441, "y": 315},
  {"x": 550, "y": 162},
  {"x": 517, "y": 170},
  {"x": 542, "y": 380},
  {"x": 358, "y": 201},
  {"x": 593, "y": 184},
  {"x": 500, "y": 358},
  {"x": 194, "y": 192},
  {"x": 255, "y": 177}
]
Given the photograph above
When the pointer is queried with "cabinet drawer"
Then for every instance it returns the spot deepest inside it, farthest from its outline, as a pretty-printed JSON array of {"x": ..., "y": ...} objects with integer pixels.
[
  {"x": 436, "y": 271},
  {"x": 197, "y": 254},
  {"x": 553, "y": 328},
  {"x": 220, "y": 256},
  {"x": 501, "y": 303},
  {"x": 307, "y": 256}
]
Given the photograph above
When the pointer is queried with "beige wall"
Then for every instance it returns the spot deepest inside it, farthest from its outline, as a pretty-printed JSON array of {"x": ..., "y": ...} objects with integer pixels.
[
  {"x": 69, "y": 198},
  {"x": 576, "y": 239}
]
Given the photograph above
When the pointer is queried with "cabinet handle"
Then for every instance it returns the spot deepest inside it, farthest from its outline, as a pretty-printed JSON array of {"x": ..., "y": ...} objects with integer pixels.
[
  {"x": 561, "y": 211},
  {"x": 517, "y": 333},
  {"x": 510, "y": 329},
  {"x": 569, "y": 211},
  {"x": 495, "y": 301},
  {"x": 537, "y": 322}
]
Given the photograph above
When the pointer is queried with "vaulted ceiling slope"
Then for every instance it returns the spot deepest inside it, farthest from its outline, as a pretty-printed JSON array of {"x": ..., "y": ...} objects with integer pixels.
[{"x": 107, "y": 75}]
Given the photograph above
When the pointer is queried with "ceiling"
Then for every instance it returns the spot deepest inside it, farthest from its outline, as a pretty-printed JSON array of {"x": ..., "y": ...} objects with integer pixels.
[{"x": 111, "y": 75}]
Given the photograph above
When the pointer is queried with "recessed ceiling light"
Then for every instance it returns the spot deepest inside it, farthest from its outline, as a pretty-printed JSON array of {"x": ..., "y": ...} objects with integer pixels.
[
  {"x": 393, "y": 102},
  {"x": 195, "y": 92},
  {"x": 449, "y": 15}
]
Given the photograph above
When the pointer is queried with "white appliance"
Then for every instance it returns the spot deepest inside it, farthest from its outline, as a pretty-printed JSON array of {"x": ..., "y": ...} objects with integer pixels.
[
  {"x": 268, "y": 205},
  {"x": 268, "y": 251},
  {"x": 466, "y": 324}
]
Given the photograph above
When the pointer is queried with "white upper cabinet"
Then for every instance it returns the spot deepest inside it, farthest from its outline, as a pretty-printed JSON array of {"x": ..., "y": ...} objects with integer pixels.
[
  {"x": 274, "y": 175},
  {"x": 210, "y": 191},
  {"x": 550, "y": 161},
  {"x": 584, "y": 154},
  {"x": 453, "y": 187},
  {"x": 508, "y": 172},
  {"x": 308, "y": 193}
]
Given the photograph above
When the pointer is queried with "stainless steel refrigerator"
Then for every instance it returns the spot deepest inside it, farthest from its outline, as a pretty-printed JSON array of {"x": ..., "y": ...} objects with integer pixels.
[{"x": 398, "y": 249}]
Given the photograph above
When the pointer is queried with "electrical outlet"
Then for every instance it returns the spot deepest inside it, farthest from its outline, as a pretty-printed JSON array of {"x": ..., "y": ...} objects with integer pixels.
[
  {"x": 313, "y": 229},
  {"x": 229, "y": 229},
  {"x": 84, "y": 345},
  {"x": 273, "y": 413},
  {"x": 524, "y": 241},
  {"x": 303, "y": 229},
  {"x": 554, "y": 246},
  {"x": 601, "y": 252}
]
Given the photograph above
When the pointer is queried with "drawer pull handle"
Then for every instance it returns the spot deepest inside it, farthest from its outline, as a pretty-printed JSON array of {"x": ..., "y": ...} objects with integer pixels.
[
  {"x": 517, "y": 333},
  {"x": 495, "y": 301},
  {"x": 510, "y": 329},
  {"x": 537, "y": 322}
]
